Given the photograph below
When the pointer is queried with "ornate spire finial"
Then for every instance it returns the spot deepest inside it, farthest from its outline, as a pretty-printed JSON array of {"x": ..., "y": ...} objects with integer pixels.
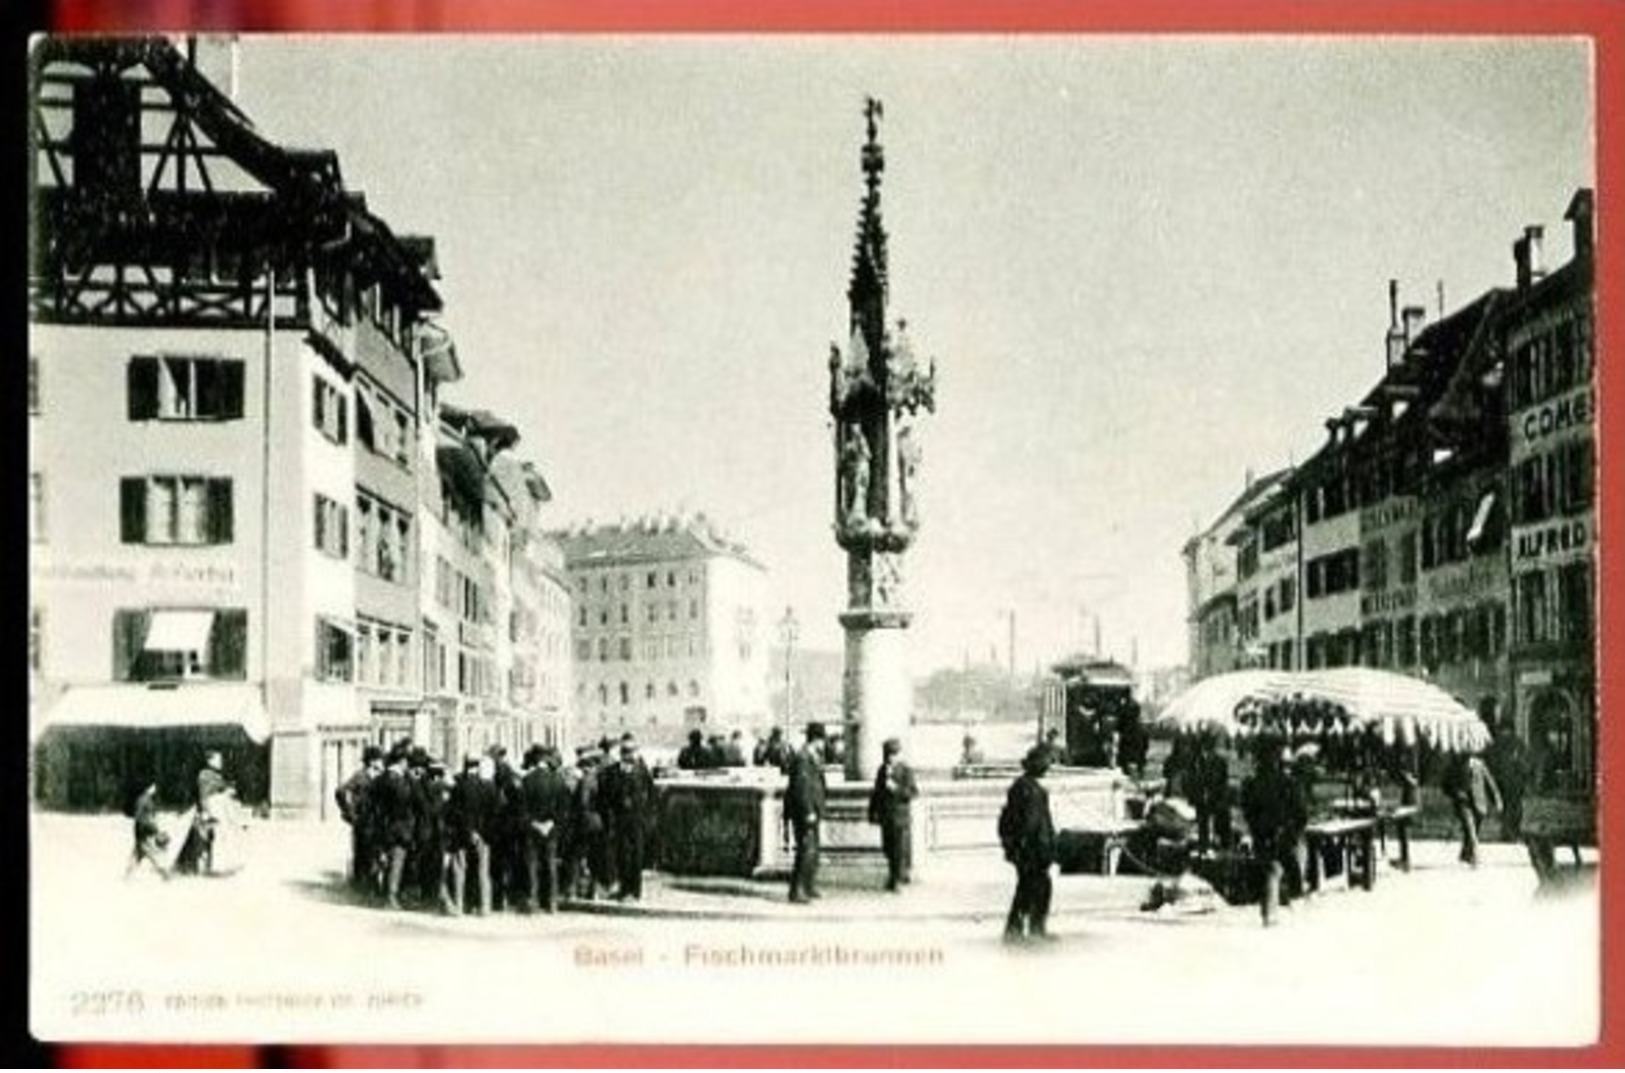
[{"x": 867, "y": 292}]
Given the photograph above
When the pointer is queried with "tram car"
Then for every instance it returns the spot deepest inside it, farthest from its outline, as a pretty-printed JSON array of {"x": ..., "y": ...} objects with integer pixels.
[{"x": 1091, "y": 702}]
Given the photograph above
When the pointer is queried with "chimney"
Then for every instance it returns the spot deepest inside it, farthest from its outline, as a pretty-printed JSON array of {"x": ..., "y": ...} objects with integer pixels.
[
  {"x": 1526, "y": 255},
  {"x": 1533, "y": 234},
  {"x": 1415, "y": 317},
  {"x": 218, "y": 58},
  {"x": 1396, "y": 336},
  {"x": 1581, "y": 214}
]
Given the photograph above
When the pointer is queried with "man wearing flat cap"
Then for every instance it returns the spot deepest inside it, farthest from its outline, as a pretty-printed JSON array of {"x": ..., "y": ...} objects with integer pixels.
[
  {"x": 804, "y": 807},
  {"x": 895, "y": 786}
]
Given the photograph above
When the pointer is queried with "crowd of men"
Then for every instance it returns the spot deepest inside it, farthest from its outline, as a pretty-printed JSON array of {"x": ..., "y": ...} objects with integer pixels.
[{"x": 494, "y": 836}]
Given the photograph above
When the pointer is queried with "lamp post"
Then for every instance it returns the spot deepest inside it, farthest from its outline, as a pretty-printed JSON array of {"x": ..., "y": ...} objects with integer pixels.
[{"x": 789, "y": 628}]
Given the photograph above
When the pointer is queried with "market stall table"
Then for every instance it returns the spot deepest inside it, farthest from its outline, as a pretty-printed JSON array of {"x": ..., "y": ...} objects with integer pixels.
[{"x": 1352, "y": 840}]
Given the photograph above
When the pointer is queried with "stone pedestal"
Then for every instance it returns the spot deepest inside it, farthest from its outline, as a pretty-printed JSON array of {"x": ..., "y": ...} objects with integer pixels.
[
  {"x": 731, "y": 822},
  {"x": 877, "y": 695}
]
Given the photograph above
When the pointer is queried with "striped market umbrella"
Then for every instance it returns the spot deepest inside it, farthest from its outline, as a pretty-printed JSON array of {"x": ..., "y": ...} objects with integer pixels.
[
  {"x": 1302, "y": 704},
  {"x": 1220, "y": 703},
  {"x": 1400, "y": 707}
]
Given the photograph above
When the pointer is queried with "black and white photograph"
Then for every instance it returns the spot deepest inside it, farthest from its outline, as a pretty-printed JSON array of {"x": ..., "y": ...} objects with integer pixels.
[{"x": 790, "y": 539}]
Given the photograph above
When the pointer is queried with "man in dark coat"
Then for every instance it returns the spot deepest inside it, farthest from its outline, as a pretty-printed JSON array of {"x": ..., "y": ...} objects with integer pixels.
[
  {"x": 428, "y": 819},
  {"x": 1027, "y": 833},
  {"x": 390, "y": 799},
  {"x": 1474, "y": 795},
  {"x": 351, "y": 797},
  {"x": 433, "y": 793},
  {"x": 508, "y": 837},
  {"x": 773, "y": 752},
  {"x": 1276, "y": 813},
  {"x": 471, "y": 820},
  {"x": 733, "y": 750},
  {"x": 627, "y": 796},
  {"x": 895, "y": 786},
  {"x": 804, "y": 805},
  {"x": 1208, "y": 787},
  {"x": 545, "y": 804},
  {"x": 589, "y": 838},
  {"x": 1508, "y": 760},
  {"x": 694, "y": 756}
]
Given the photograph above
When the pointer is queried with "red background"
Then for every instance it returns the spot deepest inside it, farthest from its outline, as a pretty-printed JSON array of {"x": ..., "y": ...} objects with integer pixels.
[{"x": 1601, "y": 20}]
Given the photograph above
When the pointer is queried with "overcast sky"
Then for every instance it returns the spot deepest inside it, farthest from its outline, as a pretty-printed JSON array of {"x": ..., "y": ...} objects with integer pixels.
[{"x": 1144, "y": 266}]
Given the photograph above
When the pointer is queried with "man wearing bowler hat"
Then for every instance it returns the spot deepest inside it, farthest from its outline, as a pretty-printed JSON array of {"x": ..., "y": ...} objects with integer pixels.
[{"x": 804, "y": 806}]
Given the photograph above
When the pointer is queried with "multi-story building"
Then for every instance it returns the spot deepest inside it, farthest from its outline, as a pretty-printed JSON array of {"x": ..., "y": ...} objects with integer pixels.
[
  {"x": 1551, "y": 373},
  {"x": 467, "y": 522},
  {"x": 1459, "y": 512},
  {"x": 1267, "y": 579},
  {"x": 278, "y": 542},
  {"x": 1448, "y": 523},
  {"x": 539, "y": 675},
  {"x": 671, "y": 629},
  {"x": 211, "y": 304},
  {"x": 1217, "y": 618}
]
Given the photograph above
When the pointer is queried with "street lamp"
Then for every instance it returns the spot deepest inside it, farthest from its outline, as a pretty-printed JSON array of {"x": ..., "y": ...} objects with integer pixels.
[{"x": 789, "y": 628}]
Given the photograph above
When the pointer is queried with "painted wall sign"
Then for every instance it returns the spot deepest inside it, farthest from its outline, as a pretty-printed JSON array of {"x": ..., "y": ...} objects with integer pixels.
[
  {"x": 1391, "y": 512},
  {"x": 1555, "y": 540},
  {"x": 1381, "y": 603},
  {"x": 1574, "y": 410},
  {"x": 178, "y": 572},
  {"x": 1479, "y": 577}
]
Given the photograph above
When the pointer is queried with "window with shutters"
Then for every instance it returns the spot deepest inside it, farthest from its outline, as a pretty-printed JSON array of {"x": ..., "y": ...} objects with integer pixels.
[
  {"x": 222, "y": 655},
  {"x": 329, "y": 411},
  {"x": 385, "y": 539},
  {"x": 332, "y": 527},
  {"x": 184, "y": 388},
  {"x": 334, "y": 652},
  {"x": 174, "y": 509}
]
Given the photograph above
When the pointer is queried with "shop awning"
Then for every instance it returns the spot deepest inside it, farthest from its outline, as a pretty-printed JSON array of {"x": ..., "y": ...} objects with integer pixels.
[
  {"x": 179, "y": 631},
  {"x": 143, "y": 707}
]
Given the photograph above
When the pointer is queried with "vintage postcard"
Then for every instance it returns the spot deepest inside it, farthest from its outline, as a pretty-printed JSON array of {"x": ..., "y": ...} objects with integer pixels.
[{"x": 1057, "y": 539}]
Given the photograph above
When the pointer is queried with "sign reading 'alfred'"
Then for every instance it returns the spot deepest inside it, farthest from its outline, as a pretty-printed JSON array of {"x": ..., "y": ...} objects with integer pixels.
[{"x": 1557, "y": 540}]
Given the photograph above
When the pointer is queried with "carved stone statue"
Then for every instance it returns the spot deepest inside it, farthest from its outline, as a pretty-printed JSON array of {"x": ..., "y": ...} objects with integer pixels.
[
  {"x": 888, "y": 578},
  {"x": 857, "y": 582},
  {"x": 908, "y": 458},
  {"x": 837, "y": 379},
  {"x": 855, "y": 475}
]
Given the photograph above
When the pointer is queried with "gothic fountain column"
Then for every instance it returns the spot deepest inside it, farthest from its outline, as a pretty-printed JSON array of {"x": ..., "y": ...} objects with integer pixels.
[{"x": 877, "y": 395}]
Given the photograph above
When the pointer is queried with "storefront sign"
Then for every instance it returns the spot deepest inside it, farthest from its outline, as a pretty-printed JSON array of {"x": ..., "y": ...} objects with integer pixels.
[
  {"x": 177, "y": 572},
  {"x": 1573, "y": 410},
  {"x": 1392, "y": 512},
  {"x": 1449, "y": 584},
  {"x": 1388, "y": 600},
  {"x": 1563, "y": 539}
]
